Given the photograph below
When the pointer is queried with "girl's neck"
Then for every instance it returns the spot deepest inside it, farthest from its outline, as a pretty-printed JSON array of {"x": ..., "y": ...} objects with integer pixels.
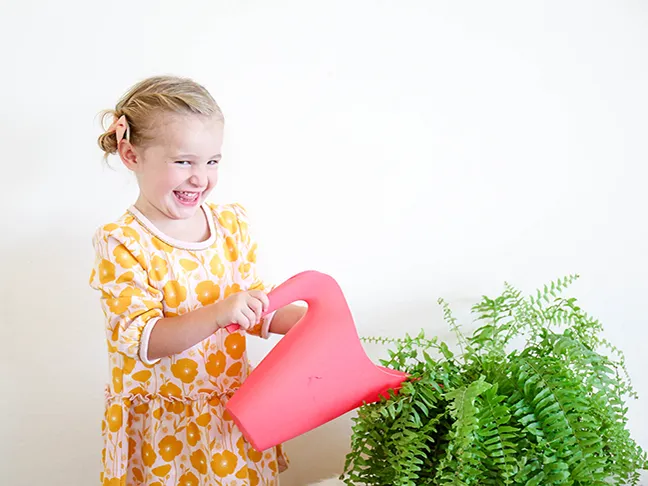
[{"x": 194, "y": 229}]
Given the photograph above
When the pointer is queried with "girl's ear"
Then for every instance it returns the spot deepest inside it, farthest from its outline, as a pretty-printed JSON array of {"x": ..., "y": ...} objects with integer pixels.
[{"x": 128, "y": 155}]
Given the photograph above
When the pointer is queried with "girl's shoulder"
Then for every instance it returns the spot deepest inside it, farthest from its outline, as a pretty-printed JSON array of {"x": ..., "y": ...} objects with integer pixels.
[
  {"x": 230, "y": 216},
  {"x": 235, "y": 208},
  {"x": 124, "y": 230}
]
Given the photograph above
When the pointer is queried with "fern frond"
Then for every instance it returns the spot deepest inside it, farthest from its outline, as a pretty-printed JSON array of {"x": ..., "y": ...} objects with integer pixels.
[
  {"x": 462, "y": 451},
  {"x": 451, "y": 320},
  {"x": 563, "y": 412},
  {"x": 498, "y": 440},
  {"x": 550, "y": 412}
]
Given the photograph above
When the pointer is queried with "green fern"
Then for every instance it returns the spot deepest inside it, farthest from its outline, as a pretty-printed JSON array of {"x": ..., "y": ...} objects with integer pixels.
[{"x": 551, "y": 412}]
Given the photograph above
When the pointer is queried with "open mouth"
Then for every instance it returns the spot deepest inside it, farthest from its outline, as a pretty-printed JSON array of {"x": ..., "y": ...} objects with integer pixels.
[{"x": 187, "y": 198}]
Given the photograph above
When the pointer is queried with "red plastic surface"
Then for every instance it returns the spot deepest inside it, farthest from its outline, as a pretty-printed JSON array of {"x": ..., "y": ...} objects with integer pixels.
[{"x": 316, "y": 373}]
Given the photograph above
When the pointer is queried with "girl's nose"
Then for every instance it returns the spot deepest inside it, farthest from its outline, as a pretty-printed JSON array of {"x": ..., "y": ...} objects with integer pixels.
[{"x": 199, "y": 177}]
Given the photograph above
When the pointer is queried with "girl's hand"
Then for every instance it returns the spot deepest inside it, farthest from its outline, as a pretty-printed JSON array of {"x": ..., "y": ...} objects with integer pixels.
[{"x": 242, "y": 308}]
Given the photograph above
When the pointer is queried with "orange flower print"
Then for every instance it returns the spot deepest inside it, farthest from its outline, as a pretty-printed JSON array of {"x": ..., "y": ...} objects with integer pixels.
[
  {"x": 117, "y": 380},
  {"x": 162, "y": 470},
  {"x": 142, "y": 408},
  {"x": 242, "y": 473},
  {"x": 106, "y": 271},
  {"x": 129, "y": 364},
  {"x": 188, "y": 479},
  {"x": 169, "y": 448},
  {"x": 224, "y": 464},
  {"x": 193, "y": 434},
  {"x": 114, "y": 481},
  {"x": 124, "y": 257},
  {"x": 132, "y": 447},
  {"x": 131, "y": 292},
  {"x": 256, "y": 329},
  {"x": 244, "y": 270},
  {"x": 199, "y": 461},
  {"x": 216, "y": 266},
  {"x": 151, "y": 304},
  {"x": 251, "y": 256},
  {"x": 126, "y": 277},
  {"x": 216, "y": 364},
  {"x": 139, "y": 391},
  {"x": 188, "y": 265},
  {"x": 111, "y": 348},
  {"x": 243, "y": 229},
  {"x": 231, "y": 250},
  {"x": 130, "y": 233},
  {"x": 170, "y": 390},
  {"x": 114, "y": 417},
  {"x": 254, "y": 477},
  {"x": 174, "y": 407},
  {"x": 142, "y": 376},
  {"x": 235, "y": 369},
  {"x": 207, "y": 292},
  {"x": 228, "y": 220},
  {"x": 185, "y": 369},
  {"x": 232, "y": 289},
  {"x": 161, "y": 245},
  {"x": 254, "y": 455},
  {"x": 110, "y": 227},
  {"x": 174, "y": 293},
  {"x": 203, "y": 419},
  {"x": 235, "y": 345},
  {"x": 158, "y": 269},
  {"x": 120, "y": 304},
  {"x": 241, "y": 446}
]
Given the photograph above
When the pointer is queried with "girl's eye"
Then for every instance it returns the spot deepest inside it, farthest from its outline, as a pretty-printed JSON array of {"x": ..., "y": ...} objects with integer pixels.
[
  {"x": 212, "y": 162},
  {"x": 183, "y": 162}
]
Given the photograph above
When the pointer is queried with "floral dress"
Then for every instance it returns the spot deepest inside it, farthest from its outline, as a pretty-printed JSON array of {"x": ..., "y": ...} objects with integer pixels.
[{"x": 165, "y": 420}]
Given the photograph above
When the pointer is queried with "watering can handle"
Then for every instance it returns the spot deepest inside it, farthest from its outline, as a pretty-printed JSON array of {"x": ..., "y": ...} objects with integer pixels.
[{"x": 309, "y": 286}]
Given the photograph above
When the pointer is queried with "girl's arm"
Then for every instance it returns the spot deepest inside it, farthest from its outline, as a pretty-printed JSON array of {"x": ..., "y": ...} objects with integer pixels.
[
  {"x": 286, "y": 317},
  {"x": 172, "y": 335}
]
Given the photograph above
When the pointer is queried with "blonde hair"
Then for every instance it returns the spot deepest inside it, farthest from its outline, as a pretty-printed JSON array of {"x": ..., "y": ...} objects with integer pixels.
[{"x": 149, "y": 98}]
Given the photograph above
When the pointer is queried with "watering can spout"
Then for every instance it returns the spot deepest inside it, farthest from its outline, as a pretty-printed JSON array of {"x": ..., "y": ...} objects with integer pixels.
[{"x": 316, "y": 373}]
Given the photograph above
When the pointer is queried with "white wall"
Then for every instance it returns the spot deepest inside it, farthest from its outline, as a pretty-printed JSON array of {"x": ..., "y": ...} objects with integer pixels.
[{"x": 413, "y": 150}]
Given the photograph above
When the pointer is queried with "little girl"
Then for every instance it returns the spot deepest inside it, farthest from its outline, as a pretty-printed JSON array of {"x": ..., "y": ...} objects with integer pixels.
[{"x": 172, "y": 272}]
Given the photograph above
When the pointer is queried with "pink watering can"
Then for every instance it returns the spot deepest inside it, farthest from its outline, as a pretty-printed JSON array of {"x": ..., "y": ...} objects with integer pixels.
[{"x": 317, "y": 372}]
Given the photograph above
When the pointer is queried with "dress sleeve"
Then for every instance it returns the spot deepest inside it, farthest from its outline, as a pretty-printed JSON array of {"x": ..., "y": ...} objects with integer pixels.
[
  {"x": 248, "y": 266},
  {"x": 131, "y": 305}
]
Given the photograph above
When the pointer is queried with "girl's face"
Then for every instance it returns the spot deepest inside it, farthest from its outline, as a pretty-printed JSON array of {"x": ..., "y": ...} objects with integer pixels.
[{"x": 178, "y": 169}]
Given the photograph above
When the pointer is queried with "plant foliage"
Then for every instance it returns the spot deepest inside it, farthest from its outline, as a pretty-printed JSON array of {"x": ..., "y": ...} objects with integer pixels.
[{"x": 548, "y": 411}]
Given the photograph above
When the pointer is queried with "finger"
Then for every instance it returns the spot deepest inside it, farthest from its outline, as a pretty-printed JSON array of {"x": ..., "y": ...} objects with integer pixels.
[
  {"x": 243, "y": 323},
  {"x": 242, "y": 320},
  {"x": 263, "y": 297},
  {"x": 257, "y": 307},
  {"x": 249, "y": 314}
]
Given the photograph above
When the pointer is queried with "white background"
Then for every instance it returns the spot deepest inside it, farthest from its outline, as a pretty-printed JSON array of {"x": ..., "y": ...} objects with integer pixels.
[{"x": 411, "y": 149}]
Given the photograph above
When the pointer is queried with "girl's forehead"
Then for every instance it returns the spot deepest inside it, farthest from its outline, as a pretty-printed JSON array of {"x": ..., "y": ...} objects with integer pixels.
[{"x": 182, "y": 132}]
